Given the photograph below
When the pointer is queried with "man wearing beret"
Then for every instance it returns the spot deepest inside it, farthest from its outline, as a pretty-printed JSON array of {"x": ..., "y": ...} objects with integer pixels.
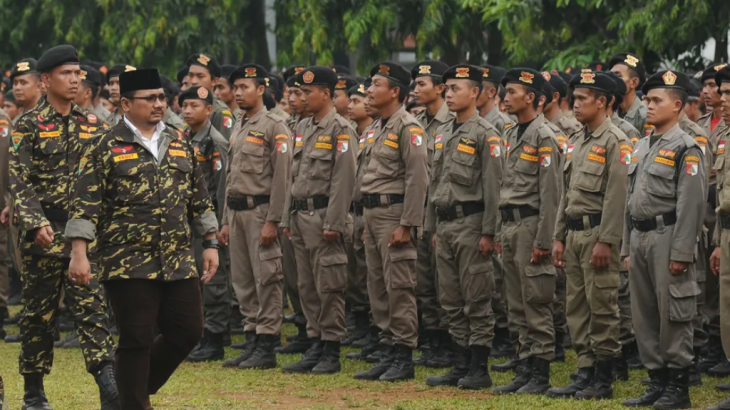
[
  {"x": 140, "y": 195},
  {"x": 631, "y": 69},
  {"x": 275, "y": 85},
  {"x": 462, "y": 215},
  {"x": 112, "y": 79},
  {"x": 323, "y": 174},
  {"x": 693, "y": 108},
  {"x": 26, "y": 84},
  {"x": 713, "y": 119},
  {"x": 90, "y": 83},
  {"x": 618, "y": 97},
  {"x": 588, "y": 234},
  {"x": 224, "y": 91},
  {"x": 567, "y": 125},
  {"x": 667, "y": 192},
  {"x": 203, "y": 70},
  {"x": 259, "y": 177},
  {"x": 430, "y": 89},
  {"x": 171, "y": 93},
  {"x": 47, "y": 142},
  {"x": 341, "y": 99},
  {"x": 529, "y": 198},
  {"x": 393, "y": 191},
  {"x": 489, "y": 109}
]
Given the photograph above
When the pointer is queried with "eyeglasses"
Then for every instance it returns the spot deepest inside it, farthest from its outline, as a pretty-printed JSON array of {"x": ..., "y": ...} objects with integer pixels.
[{"x": 150, "y": 98}]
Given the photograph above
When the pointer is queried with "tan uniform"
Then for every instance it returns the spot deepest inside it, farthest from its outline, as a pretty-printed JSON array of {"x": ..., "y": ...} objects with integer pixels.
[
  {"x": 288, "y": 258},
  {"x": 636, "y": 114},
  {"x": 529, "y": 199},
  {"x": 393, "y": 193},
  {"x": 722, "y": 239},
  {"x": 222, "y": 118},
  {"x": 258, "y": 179},
  {"x": 173, "y": 119},
  {"x": 567, "y": 125},
  {"x": 501, "y": 121},
  {"x": 666, "y": 207},
  {"x": 323, "y": 172},
  {"x": 463, "y": 206},
  {"x": 591, "y": 211},
  {"x": 631, "y": 132}
]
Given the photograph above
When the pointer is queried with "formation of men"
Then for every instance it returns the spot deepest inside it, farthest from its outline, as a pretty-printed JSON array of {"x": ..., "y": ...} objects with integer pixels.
[{"x": 471, "y": 212}]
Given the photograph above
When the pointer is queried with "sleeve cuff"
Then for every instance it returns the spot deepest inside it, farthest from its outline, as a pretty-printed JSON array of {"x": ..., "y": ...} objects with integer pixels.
[
  {"x": 611, "y": 240},
  {"x": 680, "y": 256},
  {"x": 405, "y": 222},
  {"x": 205, "y": 224},
  {"x": 80, "y": 229}
]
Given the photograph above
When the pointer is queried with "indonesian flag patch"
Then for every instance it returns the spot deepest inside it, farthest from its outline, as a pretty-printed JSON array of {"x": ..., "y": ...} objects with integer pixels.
[{"x": 570, "y": 148}]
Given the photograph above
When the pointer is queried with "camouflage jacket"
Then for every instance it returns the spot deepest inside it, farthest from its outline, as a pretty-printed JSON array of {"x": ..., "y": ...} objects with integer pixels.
[
  {"x": 44, "y": 155},
  {"x": 141, "y": 209}
]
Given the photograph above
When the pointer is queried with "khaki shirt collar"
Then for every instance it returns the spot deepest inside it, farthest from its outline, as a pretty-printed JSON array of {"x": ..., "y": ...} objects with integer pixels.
[
  {"x": 202, "y": 133},
  {"x": 326, "y": 120},
  {"x": 601, "y": 128},
  {"x": 396, "y": 116},
  {"x": 257, "y": 116}
]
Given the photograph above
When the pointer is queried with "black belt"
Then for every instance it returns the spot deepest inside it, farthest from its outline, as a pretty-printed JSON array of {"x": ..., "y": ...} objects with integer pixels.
[
  {"x": 646, "y": 225},
  {"x": 725, "y": 221},
  {"x": 241, "y": 203},
  {"x": 318, "y": 202},
  {"x": 375, "y": 200},
  {"x": 459, "y": 211},
  {"x": 55, "y": 215},
  {"x": 508, "y": 213},
  {"x": 712, "y": 195},
  {"x": 356, "y": 208},
  {"x": 577, "y": 223}
]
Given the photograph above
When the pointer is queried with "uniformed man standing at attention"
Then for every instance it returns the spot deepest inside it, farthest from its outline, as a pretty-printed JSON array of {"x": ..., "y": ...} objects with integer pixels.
[
  {"x": 713, "y": 118},
  {"x": 393, "y": 193},
  {"x": 341, "y": 100},
  {"x": 588, "y": 236},
  {"x": 487, "y": 103},
  {"x": 631, "y": 69},
  {"x": 258, "y": 179},
  {"x": 619, "y": 94},
  {"x": 552, "y": 112},
  {"x": 224, "y": 91},
  {"x": 529, "y": 198},
  {"x": 112, "y": 79},
  {"x": 205, "y": 72},
  {"x": 693, "y": 108},
  {"x": 463, "y": 210},
  {"x": 666, "y": 209},
  {"x": 26, "y": 84},
  {"x": 430, "y": 88},
  {"x": 171, "y": 93}
]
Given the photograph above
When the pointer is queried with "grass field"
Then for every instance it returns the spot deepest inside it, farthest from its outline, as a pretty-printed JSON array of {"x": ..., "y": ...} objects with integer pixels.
[{"x": 211, "y": 387}]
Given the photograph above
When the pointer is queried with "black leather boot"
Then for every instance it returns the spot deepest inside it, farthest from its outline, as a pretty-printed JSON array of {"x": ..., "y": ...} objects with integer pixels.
[
  {"x": 695, "y": 376},
  {"x": 523, "y": 372},
  {"x": 657, "y": 383},
  {"x": 443, "y": 356},
  {"x": 631, "y": 352},
  {"x": 676, "y": 394},
  {"x": 210, "y": 350},
  {"x": 108, "y": 394},
  {"x": 714, "y": 356},
  {"x": 461, "y": 368},
  {"x": 428, "y": 350},
  {"x": 559, "y": 349},
  {"x": 600, "y": 387},
  {"x": 329, "y": 363},
  {"x": 235, "y": 322},
  {"x": 264, "y": 356},
  {"x": 720, "y": 370},
  {"x": 364, "y": 341},
  {"x": 366, "y": 351},
  {"x": 478, "y": 377},
  {"x": 507, "y": 366},
  {"x": 579, "y": 380},
  {"x": 309, "y": 360},
  {"x": 502, "y": 346},
  {"x": 362, "y": 325},
  {"x": 723, "y": 405},
  {"x": 248, "y": 349},
  {"x": 386, "y": 360},
  {"x": 34, "y": 397},
  {"x": 402, "y": 367},
  {"x": 299, "y": 343},
  {"x": 540, "y": 378},
  {"x": 621, "y": 367}
]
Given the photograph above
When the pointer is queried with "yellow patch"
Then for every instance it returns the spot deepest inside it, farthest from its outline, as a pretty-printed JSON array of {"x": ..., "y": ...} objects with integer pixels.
[
  {"x": 667, "y": 153},
  {"x": 125, "y": 157},
  {"x": 343, "y": 137},
  {"x": 494, "y": 139},
  {"x": 201, "y": 158},
  {"x": 85, "y": 135},
  {"x": 323, "y": 145},
  {"x": 466, "y": 148},
  {"x": 597, "y": 158},
  {"x": 416, "y": 130},
  {"x": 634, "y": 159},
  {"x": 324, "y": 138},
  {"x": 298, "y": 144},
  {"x": 226, "y": 112},
  {"x": 255, "y": 140},
  {"x": 626, "y": 147},
  {"x": 528, "y": 149},
  {"x": 177, "y": 153},
  {"x": 391, "y": 144},
  {"x": 392, "y": 137},
  {"x": 177, "y": 144},
  {"x": 701, "y": 140},
  {"x": 691, "y": 158},
  {"x": 282, "y": 137},
  {"x": 664, "y": 161},
  {"x": 50, "y": 134},
  {"x": 546, "y": 149},
  {"x": 89, "y": 129},
  {"x": 526, "y": 157},
  {"x": 440, "y": 145}
]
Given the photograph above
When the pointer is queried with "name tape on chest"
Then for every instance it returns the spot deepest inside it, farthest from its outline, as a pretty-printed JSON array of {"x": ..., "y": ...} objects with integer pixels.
[{"x": 177, "y": 153}]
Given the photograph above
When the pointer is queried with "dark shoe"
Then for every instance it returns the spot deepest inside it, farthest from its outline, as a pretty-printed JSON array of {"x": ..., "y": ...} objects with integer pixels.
[
  {"x": 695, "y": 376},
  {"x": 34, "y": 397},
  {"x": 567, "y": 341},
  {"x": 540, "y": 378},
  {"x": 329, "y": 363},
  {"x": 428, "y": 349},
  {"x": 365, "y": 351},
  {"x": 478, "y": 377},
  {"x": 362, "y": 327},
  {"x": 723, "y": 387},
  {"x": 676, "y": 394},
  {"x": 559, "y": 349},
  {"x": 386, "y": 360},
  {"x": 443, "y": 356},
  {"x": 402, "y": 367},
  {"x": 507, "y": 366},
  {"x": 362, "y": 342},
  {"x": 12, "y": 320},
  {"x": 461, "y": 368},
  {"x": 375, "y": 356},
  {"x": 210, "y": 350},
  {"x": 108, "y": 394},
  {"x": 71, "y": 341},
  {"x": 724, "y": 405},
  {"x": 715, "y": 355},
  {"x": 720, "y": 370},
  {"x": 309, "y": 360},
  {"x": 3, "y": 315},
  {"x": 621, "y": 369},
  {"x": 235, "y": 322},
  {"x": 522, "y": 377},
  {"x": 12, "y": 339},
  {"x": 289, "y": 318},
  {"x": 600, "y": 387},
  {"x": 502, "y": 346},
  {"x": 264, "y": 356},
  {"x": 370, "y": 338},
  {"x": 579, "y": 380},
  {"x": 300, "y": 343},
  {"x": 657, "y": 384},
  {"x": 631, "y": 352},
  {"x": 248, "y": 349}
]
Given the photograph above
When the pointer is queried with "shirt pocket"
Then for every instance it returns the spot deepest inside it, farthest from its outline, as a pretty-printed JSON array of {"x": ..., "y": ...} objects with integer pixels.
[
  {"x": 462, "y": 168},
  {"x": 51, "y": 154},
  {"x": 320, "y": 164},
  {"x": 180, "y": 170},
  {"x": 719, "y": 169},
  {"x": 525, "y": 175},
  {"x": 388, "y": 161},
  {"x": 252, "y": 158},
  {"x": 128, "y": 178},
  {"x": 661, "y": 182},
  {"x": 296, "y": 162},
  {"x": 436, "y": 164},
  {"x": 590, "y": 177}
]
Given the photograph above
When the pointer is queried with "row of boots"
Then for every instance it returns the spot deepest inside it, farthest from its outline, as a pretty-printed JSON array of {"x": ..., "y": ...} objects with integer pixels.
[{"x": 34, "y": 397}]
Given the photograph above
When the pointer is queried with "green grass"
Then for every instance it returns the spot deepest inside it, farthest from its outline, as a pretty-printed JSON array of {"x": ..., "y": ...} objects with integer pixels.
[{"x": 211, "y": 387}]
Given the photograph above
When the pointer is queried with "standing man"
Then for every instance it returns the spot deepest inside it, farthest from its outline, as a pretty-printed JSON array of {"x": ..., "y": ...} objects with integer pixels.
[
  {"x": 203, "y": 70},
  {"x": 341, "y": 100},
  {"x": 489, "y": 107},
  {"x": 619, "y": 94},
  {"x": 552, "y": 112},
  {"x": 171, "y": 93},
  {"x": 666, "y": 208},
  {"x": 694, "y": 103},
  {"x": 588, "y": 236},
  {"x": 258, "y": 180},
  {"x": 112, "y": 80},
  {"x": 26, "y": 83},
  {"x": 631, "y": 69},
  {"x": 463, "y": 210},
  {"x": 529, "y": 204},
  {"x": 713, "y": 118},
  {"x": 393, "y": 193},
  {"x": 224, "y": 91},
  {"x": 47, "y": 143},
  {"x": 139, "y": 195},
  {"x": 90, "y": 81}
]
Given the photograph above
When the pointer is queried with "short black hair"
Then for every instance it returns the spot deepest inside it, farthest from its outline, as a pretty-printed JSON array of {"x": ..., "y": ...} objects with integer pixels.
[
  {"x": 104, "y": 93},
  {"x": 616, "y": 103},
  {"x": 597, "y": 94},
  {"x": 403, "y": 91},
  {"x": 678, "y": 94},
  {"x": 477, "y": 84},
  {"x": 128, "y": 95},
  {"x": 94, "y": 89},
  {"x": 502, "y": 92}
]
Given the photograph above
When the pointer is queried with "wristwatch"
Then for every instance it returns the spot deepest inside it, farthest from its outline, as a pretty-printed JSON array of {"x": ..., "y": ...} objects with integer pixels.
[{"x": 210, "y": 244}]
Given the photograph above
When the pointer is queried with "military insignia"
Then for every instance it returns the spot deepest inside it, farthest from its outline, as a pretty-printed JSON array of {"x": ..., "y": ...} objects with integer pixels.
[
  {"x": 424, "y": 69},
  {"x": 667, "y": 153},
  {"x": 528, "y": 157},
  {"x": 88, "y": 129},
  {"x": 227, "y": 122},
  {"x": 631, "y": 60},
  {"x": 721, "y": 147},
  {"x": 125, "y": 157},
  {"x": 462, "y": 72},
  {"x": 308, "y": 77},
  {"x": 282, "y": 147},
  {"x": 39, "y": 117},
  {"x": 597, "y": 158},
  {"x": 255, "y": 140},
  {"x": 669, "y": 78},
  {"x": 281, "y": 137},
  {"x": 507, "y": 126},
  {"x": 467, "y": 141},
  {"x": 217, "y": 164},
  {"x": 204, "y": 60},
  {"x": 648, "y": 129},
  {"x": 92, "y": 118},
  {"x": 361, "y": 88},
  {"x": 664, "y": 161},
  {"x": 342, "y": 146},
  {"x": 465, "y": 148},
  {"x": 526, "y": 77},
  {"x": 341, "y": 85},
  {"x": 702, "y": 142},
  {"x": 298, "y": 70},
  {"x": 177, "y": 144},
  {"x": 416, "y": 140},
  {"x": 691, "y": 158},
  {"x": 570, "y": 148},
  {"x": 323, "y": 145},
  {"x": 545, "y": 149},
  {"x": 485, "y": 72},
  {"x": 625, "y": 157},
  {"x": 371, "y": 135},
  {"x": 250, "y": 72},
  {"x": 177, "y": 153},
  {"x": 529, "y": 149},
  {"x": 203, "y": 92},
  {"x": 129, "y": 68},
  {"x": 24, "y": 66},
  {"x": 546, "y": 75},
  {"x": 392, "y": 144},
  {"x": 720, "y": 67},
  {"x": 587, "y": 78},
  {"x": 47, "y": 127},
  {"x": 85, "y": 135},
  {"x": 123, "y": 150},
  {"x": 495, "y": 150},
  {"x": 343, "y": 137},
  {"x": 598, "y": 149},
  {"x": 83, "y": 74},
  {"x": 200, "y": 157},
  {"x": 82, "y": 164},
  {"x": 17, "y": 138},
  {"x": 324, "y": 138},
  {"x": 691, "y": 169},
  {"x": 4, "y": 130},
  {"x": 267, "y": 83},
  {"x": 545, "y": 160},
  {"x": 384, "y": 69},
  {"x": 298, "y": 140},
  {"x": 51, "y": 134}
]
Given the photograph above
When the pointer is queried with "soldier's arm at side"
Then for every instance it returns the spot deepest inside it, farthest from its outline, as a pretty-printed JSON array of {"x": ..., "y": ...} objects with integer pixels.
[
  {"x": 88, "y": 196},
  {"x": 30, "y": 212},
  {"x": 491, "y": 181},
  {"x": 614, "y": 198},
  {"x": 281, "y": 181},
  {"x": 560, "y": 218},
  {"x": 690, "y": 208},
  {"x": 343, "y": 178},
  {"x": 550, "y": 183},
  {"x": 222, "y": 177},
  {"x": 416, "y": 162},
  {"x": 200, "y": 206}
]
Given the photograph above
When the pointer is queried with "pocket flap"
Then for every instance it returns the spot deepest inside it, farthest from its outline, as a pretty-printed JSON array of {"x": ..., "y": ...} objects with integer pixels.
[
  {"x": 269, "y": 253},
  {"x": 533, "y": 270},
  {"x": 661, "y": 171},
  {"x": 593, "y": 168},
  {"x": 720, "y": 163},
  {"x": 464, "y": 159},
  {"x": 479, "y": 268},
  {"x": 632, "y": 167},
  {"x": 684, "y": 289},
  {"x": 335, "y": 259},
  {"x": 321, "y": 154},
  {"x": 405, "y": 254},
  {"x": 182, "y": 164},
  {"x": 253, "y": 149},
  {"x": 607, "y": 280}
]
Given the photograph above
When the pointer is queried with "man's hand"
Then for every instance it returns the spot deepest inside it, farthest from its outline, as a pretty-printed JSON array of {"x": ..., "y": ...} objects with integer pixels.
[
  {"x": 626, "y": 264},
  {"x": 538, "y": 255},
  {"x": 400, "y": 236},
  {"x": 433, "y": 241},
  {"x": 44, "y": 236},
  {"x": 486, "y": 246},
  {"x": 223, "y": 235},
  {"x": 678, "y": 268},
  {"x": 286, "y": 232},
  {"x": 601, "y": 255},
  {"x": 558, "y": 254},
  {"x": 269, "y": 234},
  {"x": 331, "y": 236},
  {"x": 715, "y": 261},
  {"x": 498, "y": 248},
  {"x": 5, "y": 216},
  {"x": 79, "y": 270},
  {"x": 210, "y": 264}
]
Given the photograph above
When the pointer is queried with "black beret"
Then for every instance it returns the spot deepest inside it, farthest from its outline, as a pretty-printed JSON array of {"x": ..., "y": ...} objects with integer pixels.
[
  {"x": 547, "y": 91},
  {"x": 168, "y": 86},
  {"x": 144, "y": 79},
  {"x": 358, "y": 89},
  {"x": 710, "y": 71},
  {"x": 181, "y": 74},
  {"x": 666, "y": 79},
  {"x": 525, "y": 76},
  {"x": 340, "y": 69},
  {"x": 565, "y": 76},
  {"x": 318, "y": 75},
  {"x": 345, "y": 82},
  {"x": 22, "y": 67},
  {"x": 368, "y": 82},
  {"x": 268, "y": 99},
  {"x": 117, "y": 70},
  {"x": 597, "y": 66},
  {"x": 205, "y": 61},
  {"x": 393, "y": 72},
  {"x": 557, "y": 83},
  {"x": 10, "y": 97},
  {"x": 464, "y": 72},
  {"x": 695, "y": 88},
  {"x": 620, "y": 91},
  {"x": 276, "y": 84},
  {"x": 227, "y": 70},
  {"x": 722, "y": 76},
  {"x": 632, "y": 61},
  {"x": 493, "y": 73},
  {"x": 57, "y": 56},
  {"x": 90, "y": 75},
  {"x": 196, "y": 93},
  {"x": 294, "y": 81},
  {"x": 429, "y": 68},
  {"x": 253, "y": 71},
  {"x": 595, "y": 80},
  {"x": 292, "y": 71}
]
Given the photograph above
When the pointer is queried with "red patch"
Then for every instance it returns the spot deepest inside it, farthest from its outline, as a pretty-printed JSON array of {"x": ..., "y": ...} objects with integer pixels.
[
  {"x": 92, "y": 118},
  {"x": 123, "y": 150},
  {"x": 81, "y": 118},
  {"x": 47, "y": 127}
]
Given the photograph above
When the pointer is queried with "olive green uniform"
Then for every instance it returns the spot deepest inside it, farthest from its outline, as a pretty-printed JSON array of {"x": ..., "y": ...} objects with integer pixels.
[
  {"x": 636, "y": 114},
  {"x": 222, "y": 118},
  {"x": 722, "y": 239},
  {"x": 173, "y": 119}
]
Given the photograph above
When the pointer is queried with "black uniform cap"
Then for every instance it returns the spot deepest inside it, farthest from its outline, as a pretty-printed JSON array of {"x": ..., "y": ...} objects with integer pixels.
[
  {"x": 722, "y": 76},
  {"x": 144, "y": 79},
  {"x": 465, "y": 72},
  {"x": 493, "y": 73},
  {"x": 547, "y": 91},
  {"x": 345, "y": 82},
  {"x": 557, "y": 83},
  {"x": 710, "y": 72},
  {"x": 117, "y": 70},
  {"x": 429, "y": 68},
  {"x": 196, "y": 93},
  {"x": 595, "y": 80},
  {"x": 182, "y": 73},
  {"x": 293, "y": 71},
  {"x": 23, "y": 67},
  {"x": 393, "y": 72},
  {"x": 666, "y": 79},
  {"x": 357, "y": 90},
  {"x": 620, "y": 91},
  {"x": 253, "y": 71},
  {"x": 340, "y": 69},
  {"x": 276, "y": 84},
  {"x": 597, "y": 66},
  {"x": 206, "y": 61},
  {"x": 90, "y": 75},
  {"x": 227, "y": 70},
  {"x": 293, "y": 81},
  {"x": 695, "y": 88},
  {"x": 632, "y": 61},
  {"x": 525, "y": 76},
  {"x": 318, "y": 75},
  {"x": 57, "y": 56},
  {"x": 565, "y": 76}
]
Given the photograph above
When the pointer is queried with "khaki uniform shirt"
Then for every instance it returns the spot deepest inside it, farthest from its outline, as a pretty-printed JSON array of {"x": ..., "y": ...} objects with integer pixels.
[
  {"x": 501, "y": 121},
  {"x": 173, "y": 119},
  {"x": 443, "y": 115},
  {"x": 279, "y": 112},
  {"x": 211, "y": 152},
  {"x": 366, "y": 140},
  {"x": 636, "y": 115},
  {"x": 567, "y": 125},
  {"x": 222, "y": 118},
  {"x": 629, "y": 130},
  {"x": 721, "y": 169}
]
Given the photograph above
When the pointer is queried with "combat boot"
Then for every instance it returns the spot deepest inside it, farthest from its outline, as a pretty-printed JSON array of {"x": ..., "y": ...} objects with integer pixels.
[
  {"x": 502, "y": 346},
  {"x": 676, "y": 394},
  {"x": 621, "y": 367},
  {"x": 366, "y": 351},
  {"x": 443, "y": 355},
  {"x": 362, "y": 325},
  {"x": 478, "y": 377},
  {"x": 329, "y": 363},
  {"x": 579, "y": 380},
  {"x": 248, "y": 349},
  {"x": 108, "y": 394},
  {"x": 507, "y": 366},
  {"x": 657, "y": 384},
  {"x": 600, "y": 387},
  {"x": 210, "y": 350},
  {"x": 540, "y": 378},
  {"x": 720, "y": 370},
  {"x": 723, "y": 405},
  {"x": 309, "y": 360},
  {"x": 402, "y": 367},
  {"x": 379, "y": 368},
  {"x": 34, "y": 397},
  {"x": 631, "y": 352},
  {"x": 298, "y": 344},
  {"x": 695, "y": 376},
  {"x": 428, "y": 350},
  {"x": 363, "y": 341},
  {"x": 715, "y": 355},
  {"x": 264, "y": 356},
  {"x": 461, "y": 368},
  {"x": 3, "y": 315},
  {"x": 522, "y": 377},
  {"x": 559, "y": 349}
]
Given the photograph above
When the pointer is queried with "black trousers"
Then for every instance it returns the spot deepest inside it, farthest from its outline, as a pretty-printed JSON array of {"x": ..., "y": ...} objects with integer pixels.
[{"x": 145, "y": 362}]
